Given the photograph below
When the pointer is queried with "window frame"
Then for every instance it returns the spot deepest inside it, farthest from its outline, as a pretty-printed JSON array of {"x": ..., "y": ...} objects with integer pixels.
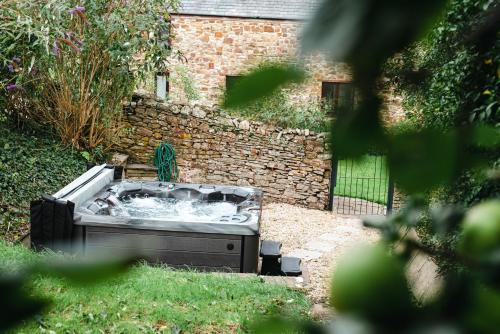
[{"x": 337, "y": 92}]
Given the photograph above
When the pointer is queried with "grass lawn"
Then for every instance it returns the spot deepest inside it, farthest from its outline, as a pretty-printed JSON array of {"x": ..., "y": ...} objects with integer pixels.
[
  {"x": 154, "y": 300},
  {"x": 366, "y": 179}
]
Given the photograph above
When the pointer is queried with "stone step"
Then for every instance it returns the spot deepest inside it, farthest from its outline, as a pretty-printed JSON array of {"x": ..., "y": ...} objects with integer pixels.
[
  {"x": 119, "y": 159},
  {"x": 270, "y": 248},
  {"x": 140, "y": 171},
  {"x": 141, "y": 167}
]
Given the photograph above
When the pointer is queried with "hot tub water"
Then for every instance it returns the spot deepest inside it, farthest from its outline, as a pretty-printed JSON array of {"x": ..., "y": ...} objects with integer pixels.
[{"x": 172, "y": 209}]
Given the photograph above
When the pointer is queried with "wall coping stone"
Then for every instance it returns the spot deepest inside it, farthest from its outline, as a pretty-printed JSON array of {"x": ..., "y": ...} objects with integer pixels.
[{"x": 200, "y": 111}]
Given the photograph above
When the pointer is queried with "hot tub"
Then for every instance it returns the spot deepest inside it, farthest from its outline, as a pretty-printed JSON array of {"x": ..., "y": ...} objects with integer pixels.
[{"x": 206, "y": 227}]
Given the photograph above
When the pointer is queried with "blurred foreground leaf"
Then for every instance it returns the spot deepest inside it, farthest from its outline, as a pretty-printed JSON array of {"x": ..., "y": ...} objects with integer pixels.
[
  {"x": 486, "y": 136},
  {"x": 16, "y": 305},
  {"x": 420, "y": 161},
  {"x": 366, "y": 277},
  {"x": 85, "y": 271},
  {"x": 261, "y": 83},
  {"x": 357, "y": 131},
  {"x": 366, "y": 32},
  {"x": 480, "y": 236},
  {"x": 483, "y": 312}
]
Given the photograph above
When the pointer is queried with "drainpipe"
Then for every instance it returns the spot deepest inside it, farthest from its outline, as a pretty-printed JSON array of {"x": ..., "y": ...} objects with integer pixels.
[{"x": 161, "y": 85}]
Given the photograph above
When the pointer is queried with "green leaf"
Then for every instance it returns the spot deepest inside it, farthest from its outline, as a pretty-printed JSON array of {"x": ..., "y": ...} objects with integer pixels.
[
  {"x": 486, "y": 136},
  {"x": 421, "y": 161},
  {"x": 358, "y": 131},
  {"x": 85, "y": 271},
  {"x": 261, "y": 83},
  {"x": 17, "y": 304},
  {"x": 86, "y": 155},
  {"x": 366, "y": 32}
]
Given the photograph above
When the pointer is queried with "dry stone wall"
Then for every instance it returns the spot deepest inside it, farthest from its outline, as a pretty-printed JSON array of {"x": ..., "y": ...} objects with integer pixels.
[{"x": 290, "y": 165}]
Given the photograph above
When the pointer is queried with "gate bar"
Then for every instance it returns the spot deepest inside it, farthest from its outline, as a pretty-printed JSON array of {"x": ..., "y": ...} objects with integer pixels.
[
  {"x": 390, "y": 195},
  {"x": 333, "y": 182}
]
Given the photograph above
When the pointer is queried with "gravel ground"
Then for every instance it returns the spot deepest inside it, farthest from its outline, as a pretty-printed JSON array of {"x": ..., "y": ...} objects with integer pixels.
[{"x": 318, "y": 237}]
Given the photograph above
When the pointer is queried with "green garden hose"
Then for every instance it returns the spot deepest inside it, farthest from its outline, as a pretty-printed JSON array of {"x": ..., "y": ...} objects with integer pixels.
[{"x": 165, "y": 161}]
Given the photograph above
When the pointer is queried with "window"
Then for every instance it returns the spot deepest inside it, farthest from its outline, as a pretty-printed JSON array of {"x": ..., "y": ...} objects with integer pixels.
[
  {"x": 231, "y": 81},
  {"x": 338, "y": 95}
]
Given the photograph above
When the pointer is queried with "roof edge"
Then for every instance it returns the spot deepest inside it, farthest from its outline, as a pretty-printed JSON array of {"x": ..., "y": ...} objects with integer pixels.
[{"x": 241, "y": 17}]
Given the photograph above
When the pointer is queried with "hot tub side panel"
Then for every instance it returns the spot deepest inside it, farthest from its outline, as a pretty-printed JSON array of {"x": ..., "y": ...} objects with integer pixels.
[
  {"x": 250, "y": 251},
  {"x": 202, "y": 251}
]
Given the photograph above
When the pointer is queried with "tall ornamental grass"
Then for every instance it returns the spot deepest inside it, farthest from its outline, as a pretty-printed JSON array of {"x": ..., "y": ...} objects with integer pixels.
[{"x": 70, "y": 64}]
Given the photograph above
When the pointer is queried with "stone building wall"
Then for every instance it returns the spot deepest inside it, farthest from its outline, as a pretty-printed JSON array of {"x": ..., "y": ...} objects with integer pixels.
[
  {"x": 291, "y": 166},
  {"x": 214, "y": 47}
]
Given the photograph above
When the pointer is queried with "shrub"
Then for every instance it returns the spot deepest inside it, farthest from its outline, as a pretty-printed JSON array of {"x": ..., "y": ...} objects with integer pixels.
[
  {"x": 70, "y": 65},
  {"x": 280, "y": 111},
  {"x": 31, "y": 164},
  {"x": 449, "y": 80}
]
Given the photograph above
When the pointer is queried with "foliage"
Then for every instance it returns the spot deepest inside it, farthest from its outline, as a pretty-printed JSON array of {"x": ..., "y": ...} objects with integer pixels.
[
  {"x": 277, "y": 109},
  {"x": 153, "y": 299},
  {"x": 71, "y": 64},
  {"x": 450, "y": 80},
  {"x": 31, "y": 164},
  {"x": 365, "y": 34},
  {"x": 275, "y": 106},
  {"x": 260, "y": 83},
  {"x": 184, "y": 80},
  {"x": 463, "y": 87}
]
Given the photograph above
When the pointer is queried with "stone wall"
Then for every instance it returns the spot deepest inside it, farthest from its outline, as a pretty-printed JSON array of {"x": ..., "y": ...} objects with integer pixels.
[
  {"x": 291, "y": 166},
  {"x": 214, "y": 47}
]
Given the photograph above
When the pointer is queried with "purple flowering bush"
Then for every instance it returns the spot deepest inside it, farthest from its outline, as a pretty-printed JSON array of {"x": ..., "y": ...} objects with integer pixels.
[{"x": 70, "y": 64}]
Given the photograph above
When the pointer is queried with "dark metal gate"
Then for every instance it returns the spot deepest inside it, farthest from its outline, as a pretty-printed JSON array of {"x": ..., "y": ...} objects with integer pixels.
[{"x": 361, "y": 187}]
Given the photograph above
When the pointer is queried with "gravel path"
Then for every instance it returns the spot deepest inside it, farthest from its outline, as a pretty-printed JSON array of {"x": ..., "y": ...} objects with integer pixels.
[{"x": 318, "y": 237}]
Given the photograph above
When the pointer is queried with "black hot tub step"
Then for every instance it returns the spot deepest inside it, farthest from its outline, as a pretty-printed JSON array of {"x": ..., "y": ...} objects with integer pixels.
[
  {"x": 290, "y": 266},
  {"x": 270, "y": 248},
  {"x": 270, "y": 251}
]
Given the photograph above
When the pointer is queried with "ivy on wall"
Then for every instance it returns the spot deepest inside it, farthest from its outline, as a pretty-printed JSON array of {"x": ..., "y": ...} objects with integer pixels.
[{"x": 31, "y": 164}]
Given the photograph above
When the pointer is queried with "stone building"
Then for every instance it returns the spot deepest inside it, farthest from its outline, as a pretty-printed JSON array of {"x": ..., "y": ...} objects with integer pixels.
[{"x": 223, "y": 39}]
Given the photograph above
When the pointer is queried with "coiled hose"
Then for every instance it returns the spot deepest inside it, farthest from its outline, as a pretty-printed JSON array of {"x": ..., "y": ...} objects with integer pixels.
[{"x": 166, "y": 163}]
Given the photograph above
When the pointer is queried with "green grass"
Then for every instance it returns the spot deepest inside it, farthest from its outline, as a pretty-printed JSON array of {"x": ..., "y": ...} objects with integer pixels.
[
  {"x": 154, "y": 300},
  {"x": 366, "y": 178}
]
